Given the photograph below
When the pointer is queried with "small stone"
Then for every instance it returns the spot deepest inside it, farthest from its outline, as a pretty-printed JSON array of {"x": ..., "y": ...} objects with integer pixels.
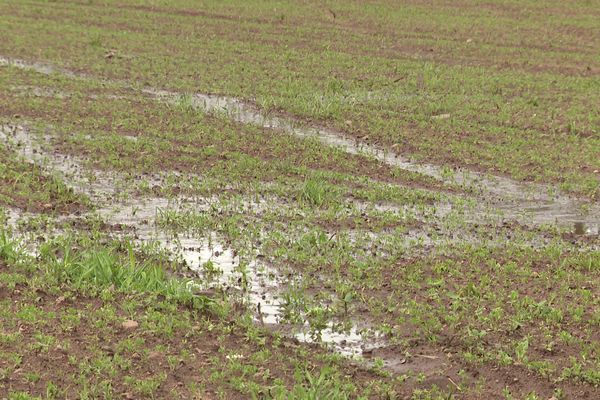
[
  {"x": 129, "y": 324},
  {"x": 60, "y": 300}
]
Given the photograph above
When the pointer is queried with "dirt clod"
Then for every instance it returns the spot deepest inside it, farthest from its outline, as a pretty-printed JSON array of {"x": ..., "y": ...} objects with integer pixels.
[{"x": 129, "y": 324}]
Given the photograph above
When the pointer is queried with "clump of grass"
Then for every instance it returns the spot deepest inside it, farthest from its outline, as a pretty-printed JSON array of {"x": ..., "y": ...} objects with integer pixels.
[
  {"x": 185, "y": 102},
  {"x": 322, "y": 385},
  {"x": 96, "y": 269},
  {"x": 95, "y": 40},
  {"x": 317, "y": 192}
]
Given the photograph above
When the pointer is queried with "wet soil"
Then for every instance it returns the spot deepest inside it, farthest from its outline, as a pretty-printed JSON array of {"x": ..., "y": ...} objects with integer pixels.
[
  {"x": 533, "y": 203},
  {"x": 527, "y": 204},
  {"x": 258, "y": 283},
  {"x": 86, "y": 341}
]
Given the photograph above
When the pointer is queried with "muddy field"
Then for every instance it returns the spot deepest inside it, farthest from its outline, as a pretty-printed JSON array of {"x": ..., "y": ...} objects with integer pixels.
[{"x": 299, "y": 200}]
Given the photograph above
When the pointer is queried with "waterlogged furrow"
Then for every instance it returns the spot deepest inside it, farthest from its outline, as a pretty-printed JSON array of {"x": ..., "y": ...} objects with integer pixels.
[
  {"x": 218, "y": 265},
  {"x": 42, "y": 68},
  {"x": 99, "y": 186},
  {"x": 104, "y": 188},
  {"x": 35, "y": 91},
  {"x": 529, "y": 203},
  {"x": 259, "y": 284},
  {"x": 223, "y": 268}
]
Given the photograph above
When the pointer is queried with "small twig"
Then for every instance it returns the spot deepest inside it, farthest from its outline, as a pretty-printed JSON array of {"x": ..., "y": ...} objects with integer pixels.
[
  {"x": 455, "y": 385},
  {"x": 428, "y": 357}
]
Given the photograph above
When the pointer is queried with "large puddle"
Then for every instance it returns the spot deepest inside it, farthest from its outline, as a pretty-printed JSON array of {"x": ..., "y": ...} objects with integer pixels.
[
  {"x": 529, "y": 203},
  {"x": 258, "y": 283}
]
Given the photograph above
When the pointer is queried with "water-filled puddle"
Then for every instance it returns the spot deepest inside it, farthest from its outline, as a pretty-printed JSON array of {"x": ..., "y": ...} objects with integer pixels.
[
  {"x": 41, "y": 68},
  {"x": 35, "y": 149},
  {"x": 351, "y": 343},
  {"x": 219, "y": 266},
  {"x": 515, "y": 199},
  {"x": 586, "y": 229}
]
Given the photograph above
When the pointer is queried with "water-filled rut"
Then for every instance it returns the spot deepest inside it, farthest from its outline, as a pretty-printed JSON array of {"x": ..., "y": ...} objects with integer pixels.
[
  {"x": 529, "y": 203},
  {"x": 254, "y": 282},
  {"x": 258, "y": 282}
]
